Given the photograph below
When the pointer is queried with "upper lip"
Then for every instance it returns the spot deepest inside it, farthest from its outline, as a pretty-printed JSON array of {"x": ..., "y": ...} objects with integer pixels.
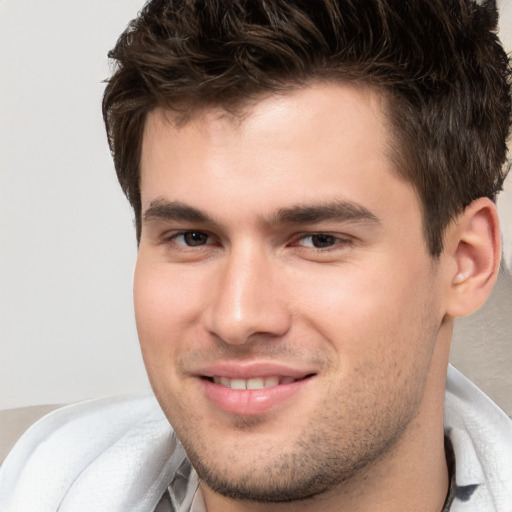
[{"x": 253, "y": 369}]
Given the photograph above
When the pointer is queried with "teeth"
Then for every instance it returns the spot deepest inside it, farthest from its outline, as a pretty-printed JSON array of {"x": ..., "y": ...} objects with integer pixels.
[
  {"x": 238, "y": 384},
  {"x": 255, "y": 383},
  {"x": 271, "y": 381}
]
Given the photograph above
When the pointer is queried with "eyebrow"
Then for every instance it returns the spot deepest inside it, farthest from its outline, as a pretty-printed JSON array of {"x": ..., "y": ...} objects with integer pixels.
[
  {"x": 161, "y": 209},
  {"x": 340, "y": 211}
]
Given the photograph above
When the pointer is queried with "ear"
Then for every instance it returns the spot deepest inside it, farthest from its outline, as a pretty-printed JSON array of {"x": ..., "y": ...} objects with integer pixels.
[{"x": 474, "y": 245}]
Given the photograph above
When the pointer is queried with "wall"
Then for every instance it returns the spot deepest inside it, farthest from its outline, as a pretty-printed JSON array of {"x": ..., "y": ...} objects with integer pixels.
[{"x": 67, "y": 245}]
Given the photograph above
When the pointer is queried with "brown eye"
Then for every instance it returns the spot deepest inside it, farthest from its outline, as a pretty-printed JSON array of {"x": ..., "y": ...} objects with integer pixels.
[
  {"x": 191, "y": 238},
  {"x": 321, "y": 240}
]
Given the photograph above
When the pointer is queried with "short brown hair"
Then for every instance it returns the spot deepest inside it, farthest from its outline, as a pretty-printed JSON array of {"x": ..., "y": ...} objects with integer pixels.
[{"x": 439, "y": 63}]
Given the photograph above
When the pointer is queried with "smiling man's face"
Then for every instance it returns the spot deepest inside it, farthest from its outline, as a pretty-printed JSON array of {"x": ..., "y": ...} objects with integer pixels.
[{"x": 288, "y": 310}]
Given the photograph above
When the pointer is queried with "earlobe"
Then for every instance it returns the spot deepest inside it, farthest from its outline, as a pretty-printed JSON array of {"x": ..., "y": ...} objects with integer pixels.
[{"x": 475, "y": 246}]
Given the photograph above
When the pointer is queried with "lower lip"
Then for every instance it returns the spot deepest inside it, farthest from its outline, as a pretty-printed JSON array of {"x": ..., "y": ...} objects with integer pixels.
[{"x": 250, "y": 402}]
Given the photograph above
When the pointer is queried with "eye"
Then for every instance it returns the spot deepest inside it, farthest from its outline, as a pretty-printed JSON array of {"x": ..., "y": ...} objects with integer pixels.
[
  {"x": 191, "y": 238},
  {"x": 320, "y": 241}
]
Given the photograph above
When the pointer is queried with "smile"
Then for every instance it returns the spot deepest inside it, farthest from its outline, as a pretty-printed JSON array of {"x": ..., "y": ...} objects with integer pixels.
[
  {"x": 253, "y": 383},
  {"x": 253, "y": 395}
]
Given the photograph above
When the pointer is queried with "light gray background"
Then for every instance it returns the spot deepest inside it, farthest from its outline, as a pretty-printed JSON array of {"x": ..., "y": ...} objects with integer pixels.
[{"x": 67, "y": 245}]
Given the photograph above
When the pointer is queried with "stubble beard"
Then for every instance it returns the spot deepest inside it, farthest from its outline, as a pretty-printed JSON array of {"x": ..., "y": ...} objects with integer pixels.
[
  {"x": 336, "y": 450},
  {"x": 322, "y": 458}
]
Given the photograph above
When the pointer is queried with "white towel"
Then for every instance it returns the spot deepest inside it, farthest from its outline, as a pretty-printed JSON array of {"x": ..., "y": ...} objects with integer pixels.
[{"x": 107, "y": 455}]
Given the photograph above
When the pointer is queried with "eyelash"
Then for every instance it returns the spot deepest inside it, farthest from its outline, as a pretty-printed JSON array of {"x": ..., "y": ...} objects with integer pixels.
[
  {"x": 333, "y": 241},
  {"x": 174, "y": 236},
  {"x": 336, "y": 241}
]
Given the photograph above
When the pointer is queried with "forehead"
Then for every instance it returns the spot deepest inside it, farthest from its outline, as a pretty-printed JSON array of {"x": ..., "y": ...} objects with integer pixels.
[
  {"x": 302, "y": 99},
  {"x": 326, "y": 140}
]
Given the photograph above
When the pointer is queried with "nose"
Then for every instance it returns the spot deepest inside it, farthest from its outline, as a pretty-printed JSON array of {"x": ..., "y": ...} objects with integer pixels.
[{"x": 247, "y": 302}]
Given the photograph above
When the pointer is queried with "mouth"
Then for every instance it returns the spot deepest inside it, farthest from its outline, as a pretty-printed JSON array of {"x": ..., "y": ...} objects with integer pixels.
[
  {"x": 254, "y": 387},
  {"x": 254, "y": 395},
  {"x": 255, "y": 383}
]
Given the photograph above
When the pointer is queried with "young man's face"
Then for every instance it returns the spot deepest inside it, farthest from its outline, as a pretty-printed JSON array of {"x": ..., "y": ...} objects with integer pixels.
[{"x": 281, "y": 253}]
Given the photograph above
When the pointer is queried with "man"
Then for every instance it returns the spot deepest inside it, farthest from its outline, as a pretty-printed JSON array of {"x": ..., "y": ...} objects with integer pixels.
[{"x": 313, "y": 188}]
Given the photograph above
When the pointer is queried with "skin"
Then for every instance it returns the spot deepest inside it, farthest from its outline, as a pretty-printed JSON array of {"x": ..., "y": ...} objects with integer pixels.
[{"x": 232, "y": 275}]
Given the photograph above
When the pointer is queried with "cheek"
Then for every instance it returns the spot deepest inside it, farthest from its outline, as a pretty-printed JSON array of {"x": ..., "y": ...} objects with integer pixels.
[
  {"x": 162, "y": 309},
  {"x": 165, "y": 299},
  {"x": 379, "y": 310},
  {"x": 160, "y": 316}
]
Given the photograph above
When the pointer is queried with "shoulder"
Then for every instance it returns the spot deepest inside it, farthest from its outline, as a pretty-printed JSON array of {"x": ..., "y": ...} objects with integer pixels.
[
  {"x": 112, "y": 454},
  {"x": 467, "y": 406},
  {"x": 13, "y": 422},
  {"x": 481, "y": 435}
]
